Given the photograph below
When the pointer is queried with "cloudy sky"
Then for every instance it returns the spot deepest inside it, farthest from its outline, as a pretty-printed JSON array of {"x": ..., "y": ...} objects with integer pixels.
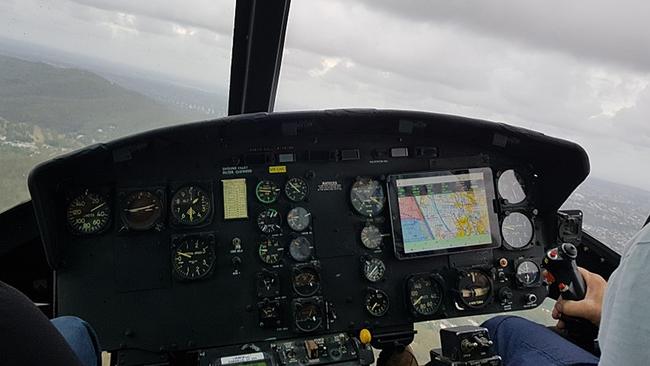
[{"x": 578, "y": 70}]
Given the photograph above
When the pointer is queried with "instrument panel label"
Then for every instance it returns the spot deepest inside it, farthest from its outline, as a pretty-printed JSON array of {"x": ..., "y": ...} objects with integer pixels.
[
  {"x": 277, "y": 169},
  {"x": 329, "y": 186},
  {"x": 234, "y": 170},
  {"x": 238, "y": 359}
]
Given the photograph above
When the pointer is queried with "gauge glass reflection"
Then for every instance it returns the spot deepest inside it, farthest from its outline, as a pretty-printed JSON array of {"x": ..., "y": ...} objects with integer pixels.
[
  {"x": 517, "y": 230},
  {"x": 300, "y": 249},
  {"x": 510, "y": 188},
  {"x": 367, "y": 197},
  {"x": 308, "y": 316},
  {"x": 298, "y": 219}
]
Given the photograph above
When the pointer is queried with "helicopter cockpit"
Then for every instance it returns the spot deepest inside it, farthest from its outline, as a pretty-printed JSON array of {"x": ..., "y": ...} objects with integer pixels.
[{"x": 300, "y": 238}]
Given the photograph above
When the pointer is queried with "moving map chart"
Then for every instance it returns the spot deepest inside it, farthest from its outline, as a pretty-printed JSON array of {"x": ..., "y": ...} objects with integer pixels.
[{"x": 442, "y": 212}]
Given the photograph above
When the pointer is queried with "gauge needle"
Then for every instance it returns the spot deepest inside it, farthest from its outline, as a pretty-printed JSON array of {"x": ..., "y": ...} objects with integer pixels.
[
  {"x": 138, "y": 209},
  {"x": 374, "y": 199},
  {"x": 418, "y": 300},
  {"x": 372, "y": 272},
  {"x": 191, "y": 213},
  {"x": 183, "y": 254},
  {"x": 294, "y": 187},
  {"x": 98, "y": 207},
  {"x": 374, "y": 306}
]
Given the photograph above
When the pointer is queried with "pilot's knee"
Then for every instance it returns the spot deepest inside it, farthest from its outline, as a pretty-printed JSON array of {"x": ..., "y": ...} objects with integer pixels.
[
  {"x": 81, "y": 338},
  {"x": 504, "y": 325}
]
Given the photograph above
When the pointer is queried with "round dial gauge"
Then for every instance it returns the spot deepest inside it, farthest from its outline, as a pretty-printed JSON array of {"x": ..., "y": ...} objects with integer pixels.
[
  {"x": 374, "y": 269},
  {"x": 300, "y": 249},
  {"x": 296, "y": 189},
  {"x": 88, "y": 213},
  {"x": 377, "y": 302},
  {"x": 270, "y": 250},
  {"x": 269, "y": 221},
  {"x": 474, "y": 288},
  {"x": 193, "y": 257},
  {"x": 425, "y": 295},
  {"x": 298, "y": 218},
  {"x": 141, "y": 210},
  {"x": 510, "y": 188},
  {"x": 367, "y": 197},
  {"x": 527, "y": 273},
  {"x": 267, "y": 191},
  {"x": 190, "y": 205},
  {"x": 269, "y": 312},
  {"x": 517, "y": 230},
  {"x": 308, "y": 316},
  {"x": 305, "y": 280},
  {"x": 371, "y": 237}
]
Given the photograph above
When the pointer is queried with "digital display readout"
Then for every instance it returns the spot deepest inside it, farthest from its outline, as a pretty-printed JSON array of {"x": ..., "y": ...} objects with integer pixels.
[{"x": 443, "y": 212}]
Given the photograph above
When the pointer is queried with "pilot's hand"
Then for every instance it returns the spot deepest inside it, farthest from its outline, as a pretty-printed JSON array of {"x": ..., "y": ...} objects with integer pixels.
[{"x": 588, "y": 308}]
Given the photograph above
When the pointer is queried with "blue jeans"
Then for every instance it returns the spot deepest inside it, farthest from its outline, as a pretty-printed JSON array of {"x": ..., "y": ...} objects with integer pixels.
[
  {"x": 522, "y": 342},
  {"x": 81, "y": 338}
]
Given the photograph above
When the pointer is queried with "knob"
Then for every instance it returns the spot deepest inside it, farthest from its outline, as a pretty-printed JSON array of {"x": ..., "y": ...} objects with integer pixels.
[
  {"x": 531, "y": 298},
  {"x": 236, "y": 261},
  {"x": 570, "y": 250},
  {"x": 505, "y": 294}
]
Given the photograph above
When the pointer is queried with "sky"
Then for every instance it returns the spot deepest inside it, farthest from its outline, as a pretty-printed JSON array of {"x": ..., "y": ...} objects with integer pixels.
[{"x": 578, "y": 70}]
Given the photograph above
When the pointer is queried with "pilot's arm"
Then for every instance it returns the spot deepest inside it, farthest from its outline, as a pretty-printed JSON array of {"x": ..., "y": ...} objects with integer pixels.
[{"x": 622, "y": 308}]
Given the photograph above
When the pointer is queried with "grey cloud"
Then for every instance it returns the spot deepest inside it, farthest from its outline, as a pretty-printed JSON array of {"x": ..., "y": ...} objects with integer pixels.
[
  {"x": 213, "y": 15},
  {"x": 612, "y": 31}
]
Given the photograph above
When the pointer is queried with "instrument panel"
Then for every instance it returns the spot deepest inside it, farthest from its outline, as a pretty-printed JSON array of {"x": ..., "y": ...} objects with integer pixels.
[{"x": 276, "y": 226}]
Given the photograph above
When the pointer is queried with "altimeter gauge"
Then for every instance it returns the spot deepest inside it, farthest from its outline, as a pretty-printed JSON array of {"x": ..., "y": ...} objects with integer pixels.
[{"x": 191, "y": 205}]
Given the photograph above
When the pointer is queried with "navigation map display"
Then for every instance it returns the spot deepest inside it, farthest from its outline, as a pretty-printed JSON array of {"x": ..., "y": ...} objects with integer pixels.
[{"x": 443, "y": 211}]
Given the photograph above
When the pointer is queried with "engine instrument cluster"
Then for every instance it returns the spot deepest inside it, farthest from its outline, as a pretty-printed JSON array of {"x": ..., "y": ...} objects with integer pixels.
[{"x": 299, "y": 225}]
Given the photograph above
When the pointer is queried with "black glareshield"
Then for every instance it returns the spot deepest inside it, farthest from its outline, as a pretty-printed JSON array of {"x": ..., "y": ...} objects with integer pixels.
[{"x": 442, "y": 212}]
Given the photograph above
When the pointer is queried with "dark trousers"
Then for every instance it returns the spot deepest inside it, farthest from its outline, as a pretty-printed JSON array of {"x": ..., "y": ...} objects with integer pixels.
[{"x": 522, "y": 342}]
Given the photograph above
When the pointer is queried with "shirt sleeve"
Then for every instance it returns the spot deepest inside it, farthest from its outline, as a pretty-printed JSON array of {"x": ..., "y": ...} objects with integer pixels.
[{"x": 624, "y": 336}]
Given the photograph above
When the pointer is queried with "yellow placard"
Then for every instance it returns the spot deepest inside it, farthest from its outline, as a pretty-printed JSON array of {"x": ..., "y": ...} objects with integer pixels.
[
  {"x": 235, "y": 205},
  {"x": 277, "y": 169}
]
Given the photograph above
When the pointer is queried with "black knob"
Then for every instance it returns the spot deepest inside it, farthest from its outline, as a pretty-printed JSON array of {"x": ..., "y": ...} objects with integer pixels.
[
  {"x": 236, "y": 261},
  {"x": 531, "y": 298},
  {"x": 570, "y": 250},
  {"x": 505, "y": 294}
]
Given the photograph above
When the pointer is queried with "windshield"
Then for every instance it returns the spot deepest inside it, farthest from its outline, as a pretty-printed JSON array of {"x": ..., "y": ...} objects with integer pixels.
[
  {"x": 78, "y": 72},
  {"x": 551, "y": 68}
]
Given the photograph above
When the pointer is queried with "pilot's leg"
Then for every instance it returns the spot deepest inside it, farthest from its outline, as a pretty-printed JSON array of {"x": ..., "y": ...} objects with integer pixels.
[
  {"x": 81, "y": 338},
  {"x": 26, "y": 335},
  {"x": 522, "y": 342}
]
